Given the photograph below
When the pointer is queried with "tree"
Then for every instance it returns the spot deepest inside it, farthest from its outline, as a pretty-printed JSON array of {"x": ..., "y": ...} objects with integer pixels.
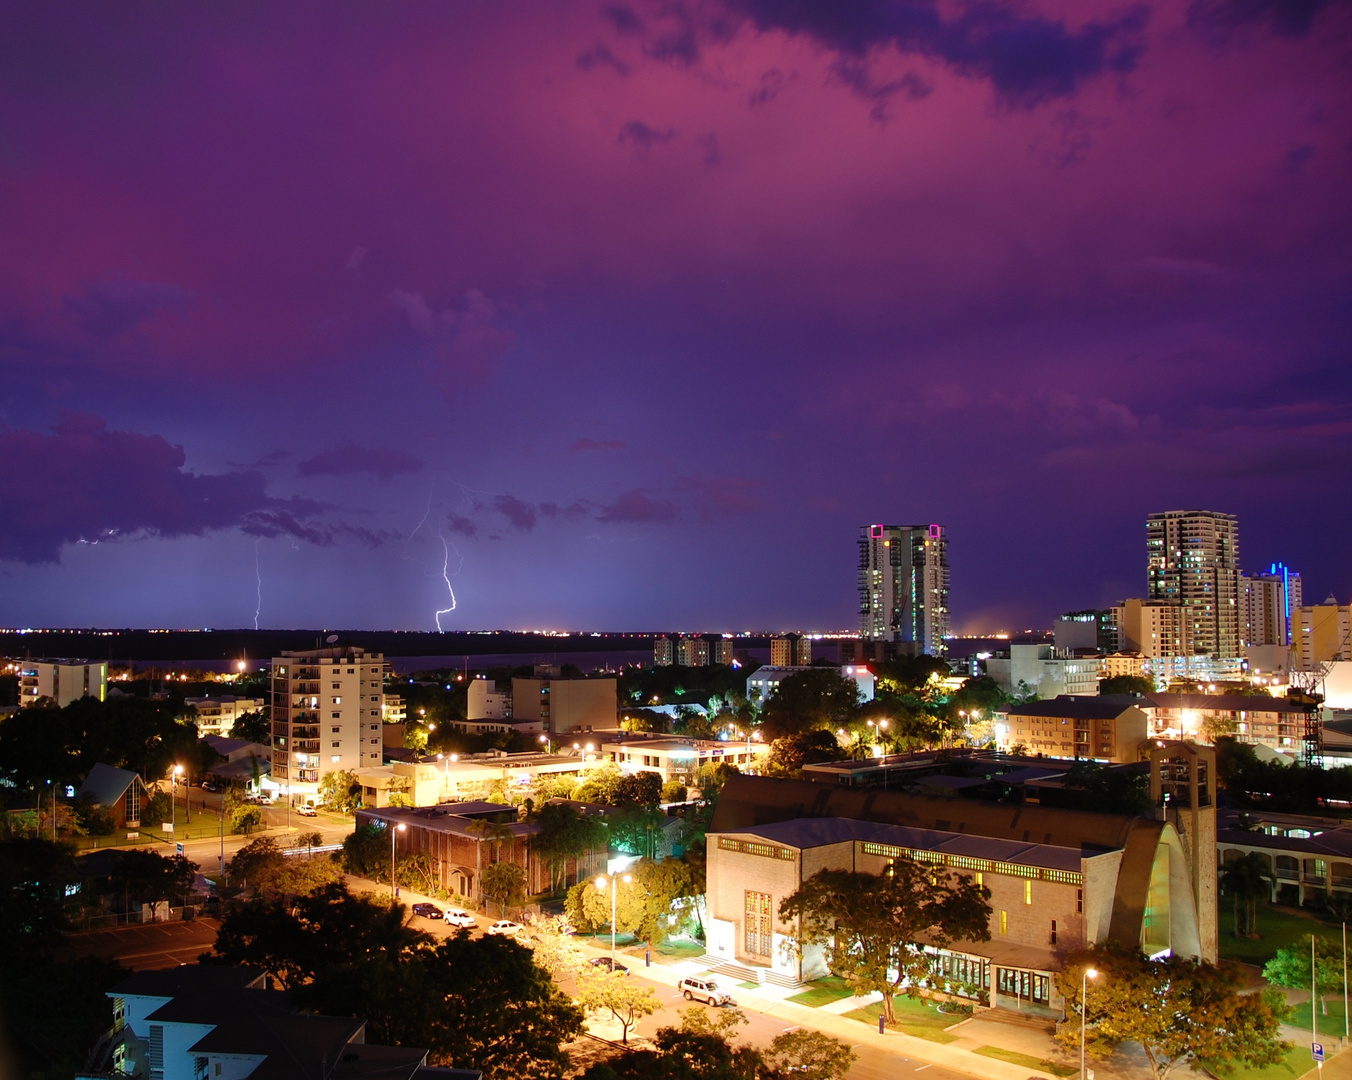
[
  {"x": 554, "y": 950},
  {"x": 146, "y": 877},
  {"x": 1179, "y": 1011},
  {"x": 789, "y": 753},
  {"x": 626, "y": 999},
  {"x": 503, "y": 882},
  {"x": 366, "y": 852},
  {"x": 657, "y": 886},
  {"x": 1107, "y": 789},
  {"x": 252, "y": 727},
  {"x": 266, "y": 868},
  {"x": 699, "y": 1049},
  {"x": 1291, "y": 967},
  {"x": 562, "y": 834},
  {"x": 246, "y": 819},
  {"x": 478, "y": 1003},
  {"x": 1136, "y": 685},
  {"x": 638, "y": 790},
  {"x": 810, "y": 1055},
  {"x": 871, "y": 924},
  {"x": 1245, "y": 880},
  {"x": 811, "y": 699},
  {"x": 339, "y": 790},
  {"x": 493, "y": 833},
  {"x": 673, "y": 791}
]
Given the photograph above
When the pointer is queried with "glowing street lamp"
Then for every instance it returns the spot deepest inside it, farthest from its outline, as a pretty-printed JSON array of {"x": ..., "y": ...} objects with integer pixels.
[
  {"x": 549, "y": 746},
  {"x": 601, "y": 885},
  {"x": 173, "y": 797}
]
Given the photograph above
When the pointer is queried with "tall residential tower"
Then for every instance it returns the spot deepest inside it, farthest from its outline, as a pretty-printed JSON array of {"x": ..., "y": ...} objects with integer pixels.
[
  {"x": 903, "y": 586},
  {"x": 1192, "y": 561}
]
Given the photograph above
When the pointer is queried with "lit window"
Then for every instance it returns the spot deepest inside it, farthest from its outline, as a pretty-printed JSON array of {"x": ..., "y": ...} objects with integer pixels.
[
  {"x": 1004, "y": 922},
  {"x": 1027, "y": 892}
]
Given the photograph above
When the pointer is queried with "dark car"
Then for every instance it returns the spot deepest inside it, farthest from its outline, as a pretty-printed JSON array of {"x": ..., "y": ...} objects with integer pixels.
[
  {"x": 427, "y": 911},
  {"x": 605, "y": 963}
]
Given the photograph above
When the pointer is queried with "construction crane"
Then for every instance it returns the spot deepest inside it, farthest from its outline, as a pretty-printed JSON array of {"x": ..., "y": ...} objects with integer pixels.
[{"x": 1310, "y": 683}]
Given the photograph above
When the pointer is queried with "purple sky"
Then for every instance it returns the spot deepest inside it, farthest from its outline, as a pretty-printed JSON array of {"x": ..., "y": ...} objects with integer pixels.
[{"x": 628, "y": 315}]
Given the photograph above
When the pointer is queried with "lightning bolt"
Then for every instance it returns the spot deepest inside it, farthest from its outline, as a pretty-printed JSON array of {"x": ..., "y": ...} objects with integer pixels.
[
  {"x": 258, "y": 574},
  {"x": 426, "y": 514},
  {"x": 445, "y": 576}
]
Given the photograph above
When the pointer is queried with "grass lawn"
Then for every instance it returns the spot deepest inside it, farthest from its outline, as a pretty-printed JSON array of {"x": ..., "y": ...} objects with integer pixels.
[
  {"x": 1298, "y": 1062},
  {"x": 1026, "y": 1060},
  {"x": 1332, "y": 1024},
  {"x": 913, "y": 1017},
  {"x": 1279, "y": 927},
  {"x": 823, "y": 992},
  {"x": 680, "y": 948}
]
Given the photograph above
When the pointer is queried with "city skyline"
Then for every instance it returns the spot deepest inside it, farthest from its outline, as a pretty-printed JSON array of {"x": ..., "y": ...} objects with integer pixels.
[{"x": 630, "y": 316}]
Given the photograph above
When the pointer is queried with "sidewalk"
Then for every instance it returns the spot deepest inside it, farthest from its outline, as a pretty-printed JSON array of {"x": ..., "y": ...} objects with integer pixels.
[{"x": 771, "y": 1000}]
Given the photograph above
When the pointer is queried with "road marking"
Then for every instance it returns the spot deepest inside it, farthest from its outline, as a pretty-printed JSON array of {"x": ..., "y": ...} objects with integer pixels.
[
  {"x": 795, "y": 1027},
  {"x": 921, "y": 1068}
]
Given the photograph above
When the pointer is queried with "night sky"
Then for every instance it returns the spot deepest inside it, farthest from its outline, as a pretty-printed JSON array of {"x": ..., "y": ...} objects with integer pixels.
[{"x": 627, "y": 316}]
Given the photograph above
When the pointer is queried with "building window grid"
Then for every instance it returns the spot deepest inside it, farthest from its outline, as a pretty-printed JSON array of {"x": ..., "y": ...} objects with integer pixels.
[
  {"x": 967, "y": 862},
  {"x": 768, "y": 851}
]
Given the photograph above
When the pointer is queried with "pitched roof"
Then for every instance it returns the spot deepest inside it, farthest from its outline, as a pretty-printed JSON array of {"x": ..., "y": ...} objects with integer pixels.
[
  {"x": 1227, "y": 703},
  {"x": 748, "y": 801},
  {"x": 106, "y": 784},
  {"x": 1079, "y": 706}
]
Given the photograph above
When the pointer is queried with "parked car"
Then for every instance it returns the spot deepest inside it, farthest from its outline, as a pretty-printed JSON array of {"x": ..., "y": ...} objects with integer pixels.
[
  {"x": 459, "y": 917},
  {"x": 607, "y": 964},
  {"x": 305, "y": 810},
  {"x": 427, "y": 911},
  {"x": 705, "y": 990},
  {"x": 506, "y": 928}
]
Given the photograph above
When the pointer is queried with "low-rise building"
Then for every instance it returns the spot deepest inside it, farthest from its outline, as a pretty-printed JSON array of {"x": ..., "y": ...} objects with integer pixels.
[
  {"x": 762, "y": 683},
  {"x": 1111, "y": 727},
  {"x": 63, "y": 681},
  {"x": 485, "y": 700},
  {"x": 217, "y": 715},
  {"x": 1059, "y": 879},
  {"x": 561, "y": 705},
  {"x": 1276, "y": 723},
  {"x": 1309, "y": 857},
  {"x": 1321, "y": 633},
  {"x": 393, "y": 709},
  {"x": 239, "y": 760},
  {"x": 198, "y": 1020},
  {"x": 1115, "y": 665},
  {"x": 675, "y": 758},
  {"x": 119, "y": 790},
  {"x": 462, "y": 838}
]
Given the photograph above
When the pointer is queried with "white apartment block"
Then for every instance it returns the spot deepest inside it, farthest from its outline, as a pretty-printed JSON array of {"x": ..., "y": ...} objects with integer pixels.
[
  {"x": 217, "y": 715},
  {"x": 63, "y": 681},
  {"x": 326, "y": 714},
  {"x": 486, "y": 702}
]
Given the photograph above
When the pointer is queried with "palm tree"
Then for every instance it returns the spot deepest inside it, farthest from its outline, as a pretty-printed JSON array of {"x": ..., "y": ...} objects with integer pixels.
[{"x": 1246, "y": 879}]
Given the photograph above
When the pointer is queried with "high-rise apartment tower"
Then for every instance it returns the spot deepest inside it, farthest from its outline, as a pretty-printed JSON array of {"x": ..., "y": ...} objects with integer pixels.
[
  {"x": 326, "y": 706},
  {"x": 903, "y": 586},
  {"x": 1192, "y": 561}
]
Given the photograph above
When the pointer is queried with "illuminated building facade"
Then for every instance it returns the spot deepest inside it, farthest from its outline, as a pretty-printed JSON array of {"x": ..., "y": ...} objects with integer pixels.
[
  {"x": 1192, "y": 562},
  {"x": 326, "y": 714},
  {"x": 903, "y": 586}
]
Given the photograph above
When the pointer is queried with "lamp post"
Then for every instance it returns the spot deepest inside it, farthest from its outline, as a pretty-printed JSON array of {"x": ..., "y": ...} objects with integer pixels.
[
  {"x": 1089, "y": 973},
  {"x": 601, "y": 885},
  {"x": 173, "y": 798},
  {"x": 395, "y": 830},
  {"x": 549, "y": 746}
]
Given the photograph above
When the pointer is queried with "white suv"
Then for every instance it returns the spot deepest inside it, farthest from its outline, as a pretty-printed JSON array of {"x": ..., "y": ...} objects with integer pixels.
[
  {"x": 705, "y": 990},
  {"x": 457, "y": 917}
]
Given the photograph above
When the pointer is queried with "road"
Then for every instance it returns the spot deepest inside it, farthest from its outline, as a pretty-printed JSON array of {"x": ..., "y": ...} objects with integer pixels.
[
  {"x": 207, "y": 851},
  {"x": 761, "y": 1027}
]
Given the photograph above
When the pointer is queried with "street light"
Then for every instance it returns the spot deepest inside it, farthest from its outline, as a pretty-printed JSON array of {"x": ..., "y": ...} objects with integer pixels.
[
  {"x": 601, "y": 885},
  {"x": 1089, "y": 973},
  {"x": 549, "y": 746},
  {"x": 395, "y": 830},
  {"x": 173, "y": 798}
]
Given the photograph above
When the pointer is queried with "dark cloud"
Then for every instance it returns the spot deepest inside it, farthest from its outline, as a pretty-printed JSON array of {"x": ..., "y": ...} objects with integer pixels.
[
  {"x": 86, "y": 483},
  {"x": 105, "y": 309},
  {"x": 351, "y": 458},
  {"x": 573, "y": 510},
  {"x": 1221, "y": 19},
  {"x": 599, "y": 55},
  {"x": 772, "y": 84},
  {"x": 462, "y": 525},
  {"x": 1297, "y": 157},
  {"x": 717, "y": 497},
  {"x": 1026, "y": 58},
  {"x": 858, "y": 75},
  {"x": 623, "y": 19},
  {"x": 593, "y": 444},
  {"x": 462, "y": 342},
  {"x": 269, "y": 523},
  {"x": 637, "y": 507},
  {"x": 643, "y": 137},
  {"x": 520, "y": 514}
]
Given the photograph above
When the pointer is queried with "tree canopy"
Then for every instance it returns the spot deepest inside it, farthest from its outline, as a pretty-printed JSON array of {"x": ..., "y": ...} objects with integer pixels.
[
  {"x": 817, "y": 698},
  {"x": 475, "y": 1002},
  {"x": 871, "y": 925},
  {"x": 1291, "y": 967},
  {"x": 1179, "y": 1011},
  {"x": 564, "y": 833}
]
